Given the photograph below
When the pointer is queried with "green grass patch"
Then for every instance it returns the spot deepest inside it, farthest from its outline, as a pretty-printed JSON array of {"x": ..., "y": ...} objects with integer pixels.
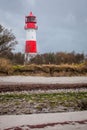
[
  {"x": 45, "y": 102},
  {"x": 69, "y": 96}
]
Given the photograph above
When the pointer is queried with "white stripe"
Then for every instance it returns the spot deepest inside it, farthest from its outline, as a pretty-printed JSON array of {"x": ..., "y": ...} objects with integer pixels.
[{"x": 31, "y": 34}]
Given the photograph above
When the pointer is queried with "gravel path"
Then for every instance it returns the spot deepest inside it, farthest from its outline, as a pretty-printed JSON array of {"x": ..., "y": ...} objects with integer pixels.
[
  {"x": 42, "y": 80},
  {"x": 42, "y": 101}
]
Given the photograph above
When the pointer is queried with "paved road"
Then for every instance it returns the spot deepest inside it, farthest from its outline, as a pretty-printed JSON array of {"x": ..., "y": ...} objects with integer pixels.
[
  {"x": 55, "y": 121},
  {"x": 42, "y": 80}
]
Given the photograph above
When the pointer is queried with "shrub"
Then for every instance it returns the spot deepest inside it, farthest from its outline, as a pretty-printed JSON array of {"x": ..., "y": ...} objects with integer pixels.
[{"x": 5, "y": 66}]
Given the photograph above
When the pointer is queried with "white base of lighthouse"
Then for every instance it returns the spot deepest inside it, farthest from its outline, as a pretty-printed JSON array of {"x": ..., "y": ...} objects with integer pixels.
[{"x": 28, "y": 56}]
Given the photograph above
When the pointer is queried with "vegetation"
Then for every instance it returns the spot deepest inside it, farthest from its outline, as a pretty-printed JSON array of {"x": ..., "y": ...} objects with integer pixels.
[
  {"x": 42, "y": 102},
  {"x": 51, "y": 70},
  {"x": 7, "y": 44},
  {"x": 59, "y": 58},
  {"x": 5, "y": 66},
  {"x": 16, "y": 58},
  {"x": 7, "y": 41}
]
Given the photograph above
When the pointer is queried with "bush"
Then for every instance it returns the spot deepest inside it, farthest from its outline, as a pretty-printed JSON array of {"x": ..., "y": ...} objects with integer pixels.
[{"x": 5, "y": 66}]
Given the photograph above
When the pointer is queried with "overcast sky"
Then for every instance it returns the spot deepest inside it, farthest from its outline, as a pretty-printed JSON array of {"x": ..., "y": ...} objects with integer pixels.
[{"x": 62, "y": 24}]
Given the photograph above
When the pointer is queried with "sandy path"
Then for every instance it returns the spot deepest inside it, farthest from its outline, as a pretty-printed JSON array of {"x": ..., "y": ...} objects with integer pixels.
[
  {"x": 42, "y": 80},
  {"x": 64, "y": 121}
]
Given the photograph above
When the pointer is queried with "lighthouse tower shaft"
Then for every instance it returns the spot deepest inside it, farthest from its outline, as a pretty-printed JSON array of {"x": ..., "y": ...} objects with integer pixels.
[{"x": 30, "y": 44}]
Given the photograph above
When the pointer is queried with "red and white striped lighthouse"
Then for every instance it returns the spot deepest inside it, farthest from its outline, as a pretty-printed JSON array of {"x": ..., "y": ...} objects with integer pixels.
[{"x": 30, "y": 45}]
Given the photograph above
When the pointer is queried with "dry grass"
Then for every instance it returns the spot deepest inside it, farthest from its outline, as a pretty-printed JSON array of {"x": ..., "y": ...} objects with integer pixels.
[
  {"x": 5, "y": 66},
  {"x": 52, "y": 70}
]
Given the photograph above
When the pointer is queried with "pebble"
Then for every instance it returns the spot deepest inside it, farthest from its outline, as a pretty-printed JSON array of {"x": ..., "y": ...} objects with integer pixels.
[{"x": 21, "y": 106}]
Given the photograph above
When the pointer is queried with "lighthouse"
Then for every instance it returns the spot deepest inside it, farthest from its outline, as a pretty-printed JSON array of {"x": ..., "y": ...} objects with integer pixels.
[{"x": 30, "y": 43}]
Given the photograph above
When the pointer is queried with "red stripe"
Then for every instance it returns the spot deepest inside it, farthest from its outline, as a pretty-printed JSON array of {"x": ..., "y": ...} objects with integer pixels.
[
  {"x": 30, "y": 47},
  {"x": 30, "y": 25}
]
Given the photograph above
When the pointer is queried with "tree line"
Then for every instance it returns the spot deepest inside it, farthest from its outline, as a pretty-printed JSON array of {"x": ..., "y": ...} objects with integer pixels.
[{"x": 59, "y": 58}]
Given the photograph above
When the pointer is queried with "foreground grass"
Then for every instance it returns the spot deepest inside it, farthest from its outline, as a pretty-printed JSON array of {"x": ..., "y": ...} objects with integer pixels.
[
  {"x": 44, "y": 96},
  {"x": 25, "y": 103}
]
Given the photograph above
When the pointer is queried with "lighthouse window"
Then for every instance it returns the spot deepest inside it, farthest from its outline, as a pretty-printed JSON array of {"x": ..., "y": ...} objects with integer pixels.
[{"x": 30, "y": 19}]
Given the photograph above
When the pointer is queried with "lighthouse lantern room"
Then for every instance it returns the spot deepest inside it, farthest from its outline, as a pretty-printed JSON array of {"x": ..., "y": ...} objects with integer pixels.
[{"x": 30, "y": 44}]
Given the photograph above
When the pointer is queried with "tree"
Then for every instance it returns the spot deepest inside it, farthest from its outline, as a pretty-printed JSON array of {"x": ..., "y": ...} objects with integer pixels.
[
  {"x": 7, "y": 41},
  {"x": 18, "y": 58}
]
